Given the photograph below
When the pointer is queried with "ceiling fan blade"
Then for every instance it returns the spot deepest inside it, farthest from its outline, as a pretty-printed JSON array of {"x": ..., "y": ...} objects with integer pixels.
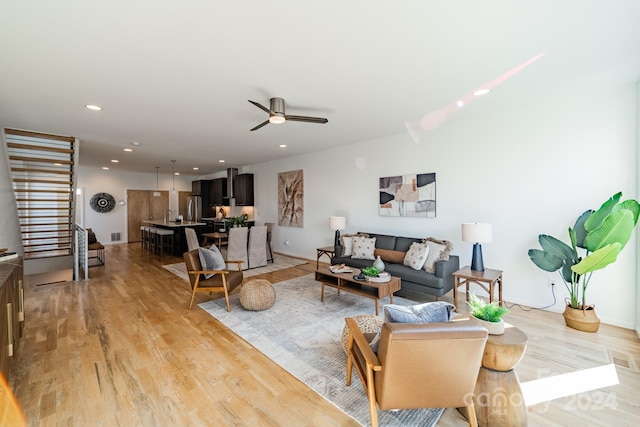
[
  {"x": 306, "y": 119},
  {"x": 265, "y": 109},
  {"x": 266, "y": 122}
]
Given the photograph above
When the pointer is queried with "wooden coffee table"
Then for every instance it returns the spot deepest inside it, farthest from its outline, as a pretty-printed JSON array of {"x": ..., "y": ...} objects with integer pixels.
[{"x": 346, "y": 282}]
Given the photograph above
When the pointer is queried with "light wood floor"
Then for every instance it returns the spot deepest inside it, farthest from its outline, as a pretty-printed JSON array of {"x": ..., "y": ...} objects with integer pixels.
[{"x": 123, "y": 350}]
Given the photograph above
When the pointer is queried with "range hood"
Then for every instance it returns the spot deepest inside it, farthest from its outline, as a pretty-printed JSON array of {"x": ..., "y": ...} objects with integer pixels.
[{"x": 231, "y": 177}]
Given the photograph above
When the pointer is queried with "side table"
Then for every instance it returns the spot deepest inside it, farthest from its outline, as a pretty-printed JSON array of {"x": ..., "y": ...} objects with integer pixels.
[
  {"x": 329, "y": 251},
  {"x": 487, "y": 280},
  {"x": 498, "y": 399}
]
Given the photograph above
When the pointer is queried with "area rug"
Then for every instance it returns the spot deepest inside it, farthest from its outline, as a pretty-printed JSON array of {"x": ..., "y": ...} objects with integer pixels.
[
  {"x": 279, "y": 263},
  {"x": 303, "y": 335}
]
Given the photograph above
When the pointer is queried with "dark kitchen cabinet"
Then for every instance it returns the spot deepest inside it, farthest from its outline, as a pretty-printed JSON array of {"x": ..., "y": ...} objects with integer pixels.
[
  {"x": 218, "y": 192},
  {"x": 202, "y": 188},
  {"x": 243, "y": 189}
]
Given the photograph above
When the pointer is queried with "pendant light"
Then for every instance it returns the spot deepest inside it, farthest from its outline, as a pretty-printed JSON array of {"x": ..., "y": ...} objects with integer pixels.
[
  {"x": 157, "y": 192},
  {"x": 173, "y": 170}
]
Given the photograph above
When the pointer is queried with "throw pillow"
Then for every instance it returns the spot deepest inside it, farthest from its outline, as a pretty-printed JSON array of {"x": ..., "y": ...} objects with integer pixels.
[
  {"x": 416, "y": 255},
  {"x": 438, "y": 251},
  {"x": 429, "y": 312},
  {"x": 211, "y": 259},
  {"x": 347, "y": 243},
  {"x": 363, "y": 247},
  {"x": 388, "y": 255}
]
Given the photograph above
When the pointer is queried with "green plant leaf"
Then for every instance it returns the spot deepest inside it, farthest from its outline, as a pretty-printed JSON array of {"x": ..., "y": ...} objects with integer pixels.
[
  {"x": 633, "y": 206},
  {"x": 556, "y": 247},
  {"x": 598, "y": 259},
  {"x": 598, "y": 216},
  {"x": 545, "y": 260},
  {"x": 616, "y": 228},
  {"x": 579, "y": 230}
]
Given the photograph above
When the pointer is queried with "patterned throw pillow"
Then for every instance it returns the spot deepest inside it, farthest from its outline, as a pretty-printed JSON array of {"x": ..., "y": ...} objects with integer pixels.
[
  {"x": 363, "y": 247},
  {"x": 438, "y": 251},
  {"x": 416, "y": 255},
  {"x": 346, "y": 241},
  {"x": 211, "y": 259}
]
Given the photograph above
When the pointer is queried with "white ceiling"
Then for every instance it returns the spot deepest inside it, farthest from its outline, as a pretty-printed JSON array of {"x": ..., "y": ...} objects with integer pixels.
[{"x": 175, "y": 76}]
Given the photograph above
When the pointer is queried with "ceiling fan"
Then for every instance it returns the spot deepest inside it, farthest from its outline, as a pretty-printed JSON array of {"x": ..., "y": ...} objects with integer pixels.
[{"x": 277, "y": 115}]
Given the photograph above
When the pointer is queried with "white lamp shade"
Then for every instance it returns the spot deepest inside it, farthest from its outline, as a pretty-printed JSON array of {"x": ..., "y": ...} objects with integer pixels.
[
  {"x": 476, "y": 232},
  {"x": 337, "y": 222}
]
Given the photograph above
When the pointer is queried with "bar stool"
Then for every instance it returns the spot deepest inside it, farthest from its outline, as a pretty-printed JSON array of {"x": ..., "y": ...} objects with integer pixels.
[
  {"x": 144, "y": 237},
  {"x": 164, "y": 239},
  {"x": 152, "y": 239}
]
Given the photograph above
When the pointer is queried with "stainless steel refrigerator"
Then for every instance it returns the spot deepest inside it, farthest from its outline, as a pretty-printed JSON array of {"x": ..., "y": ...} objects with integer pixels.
[{"x": 194, "y": 208}]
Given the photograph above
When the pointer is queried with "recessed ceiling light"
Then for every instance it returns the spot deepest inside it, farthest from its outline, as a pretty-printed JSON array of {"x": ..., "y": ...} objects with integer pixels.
[
  {"x": 135, "y": 143},
  {"x": 460, "y": 104},
  {"x": 176, "y": 173},
  {"x": 93, "y": 107},
  {"x": 481, "y": 92},
  {"x": 128, "y": 150},
  {"x": 283, "y": 145},
  {"x": 105, "y": 168},
  {"x": 196, "y": 168},
  {"x": 220, "y": 161},
  {"x": 115, "y": 161}
]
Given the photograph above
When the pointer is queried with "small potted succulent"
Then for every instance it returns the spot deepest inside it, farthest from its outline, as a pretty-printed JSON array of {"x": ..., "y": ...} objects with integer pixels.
[{"x": 488, "y": 315}]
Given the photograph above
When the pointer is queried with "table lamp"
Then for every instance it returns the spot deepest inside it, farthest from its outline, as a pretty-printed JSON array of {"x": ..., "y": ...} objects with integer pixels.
[
  {"x": 337, "y": 223},
  {"x": 477, "y": 233}
]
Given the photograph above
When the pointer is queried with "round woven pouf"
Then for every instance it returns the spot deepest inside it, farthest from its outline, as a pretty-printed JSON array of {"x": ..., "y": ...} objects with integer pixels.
[
  {"x": 257, "y": 294},
  {"x": 368, "y": 324}
]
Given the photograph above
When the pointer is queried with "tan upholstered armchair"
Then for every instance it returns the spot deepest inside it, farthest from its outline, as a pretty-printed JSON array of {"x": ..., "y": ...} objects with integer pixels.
[
  {"x": 420, "y": 365},
  {"x": 222, "y": 281}
]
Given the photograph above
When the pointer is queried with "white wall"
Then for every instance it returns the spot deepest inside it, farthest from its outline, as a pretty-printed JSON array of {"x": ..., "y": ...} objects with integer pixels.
[
  {"x": 10, "y": 236},
  {"x": 92, "y": 181},
  {"x": 528, "y": 171}
]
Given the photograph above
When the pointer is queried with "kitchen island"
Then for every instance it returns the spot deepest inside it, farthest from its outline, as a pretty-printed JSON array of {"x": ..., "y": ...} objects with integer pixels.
[{"x": 179, "y": 238}]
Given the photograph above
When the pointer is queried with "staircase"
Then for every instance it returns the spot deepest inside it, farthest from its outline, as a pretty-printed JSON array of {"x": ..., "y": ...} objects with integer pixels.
[{"x": 42, "y": 173}]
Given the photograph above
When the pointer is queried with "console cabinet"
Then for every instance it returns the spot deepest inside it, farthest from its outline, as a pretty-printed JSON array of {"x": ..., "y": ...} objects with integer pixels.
[{"x": 11, "y": 313}]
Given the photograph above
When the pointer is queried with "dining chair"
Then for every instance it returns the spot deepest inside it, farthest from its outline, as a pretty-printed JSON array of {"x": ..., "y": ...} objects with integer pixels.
[
  {"x": 258, "y": 246},
  {"x": 270, "y": 227},
  {"x": 237, "y": 246}
]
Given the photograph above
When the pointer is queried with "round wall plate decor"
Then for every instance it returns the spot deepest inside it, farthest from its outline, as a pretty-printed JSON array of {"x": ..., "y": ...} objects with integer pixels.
[{"x": 102, "y": 202}]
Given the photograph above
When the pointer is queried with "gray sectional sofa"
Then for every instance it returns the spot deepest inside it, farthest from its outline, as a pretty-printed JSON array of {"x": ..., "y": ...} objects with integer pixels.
[{"x": 414, "y": 281}]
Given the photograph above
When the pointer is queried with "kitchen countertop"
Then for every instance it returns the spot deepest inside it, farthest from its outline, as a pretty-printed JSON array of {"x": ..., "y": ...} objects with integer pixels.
[{"x": 173, "y": 224}]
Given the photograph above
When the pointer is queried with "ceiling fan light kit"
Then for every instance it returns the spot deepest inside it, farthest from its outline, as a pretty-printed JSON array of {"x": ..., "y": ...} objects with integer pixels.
[{"x": 278, "y": 116}]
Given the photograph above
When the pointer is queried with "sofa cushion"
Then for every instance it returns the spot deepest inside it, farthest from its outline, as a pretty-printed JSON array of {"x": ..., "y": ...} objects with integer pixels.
[
  {"x": 384, "y": 241},
  {"x": 347, "y": 245},
  {"x": 387, "y": 255},
  {"x": 363, "y": 247},
  {"x": 416, "y": 256},
  {"x": 404, "y": 243},
  {"x": 211, "y": 259},
  {"x": 429, "y": 312},
  {"x": 438, "y": 251}
]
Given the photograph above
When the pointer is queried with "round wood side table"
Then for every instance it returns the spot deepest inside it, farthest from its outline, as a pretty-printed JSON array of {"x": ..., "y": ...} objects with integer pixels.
[{"x": 498, "y": 398}]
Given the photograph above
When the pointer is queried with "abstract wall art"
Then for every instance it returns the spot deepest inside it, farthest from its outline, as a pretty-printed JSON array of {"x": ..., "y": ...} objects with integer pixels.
[
  {"x": 291, "y": 199},
  {"x": 408, "y": 195}
]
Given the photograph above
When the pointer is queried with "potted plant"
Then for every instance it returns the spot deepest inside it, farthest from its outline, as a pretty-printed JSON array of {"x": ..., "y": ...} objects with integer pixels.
[
  {"x": 238, "y": 221},
  {"x": 488, "y": 314},
  {"x": 600, "y": 235}
]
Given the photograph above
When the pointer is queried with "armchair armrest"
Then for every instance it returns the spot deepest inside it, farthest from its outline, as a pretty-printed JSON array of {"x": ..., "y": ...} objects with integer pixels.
[
  {"x": 238, "y": 263},
  {"x": 208, "y": 271},
  {"x": 371, "y": 359}
]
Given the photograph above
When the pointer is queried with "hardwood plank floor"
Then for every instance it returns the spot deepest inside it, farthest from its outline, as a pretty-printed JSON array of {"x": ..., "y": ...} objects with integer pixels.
[{"x": 122, "y": 349}]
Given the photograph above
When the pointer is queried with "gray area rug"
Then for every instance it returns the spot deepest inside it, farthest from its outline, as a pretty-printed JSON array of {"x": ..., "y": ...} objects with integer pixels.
[
  {"x": 279, "y": 263},
  {"x": 303, "y": 335}
]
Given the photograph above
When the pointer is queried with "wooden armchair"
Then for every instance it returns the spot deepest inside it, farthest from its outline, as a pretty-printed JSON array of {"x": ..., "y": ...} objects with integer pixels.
[
  {"x": 420, "y": 365},
  {"x": 222, "y": 281}
]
